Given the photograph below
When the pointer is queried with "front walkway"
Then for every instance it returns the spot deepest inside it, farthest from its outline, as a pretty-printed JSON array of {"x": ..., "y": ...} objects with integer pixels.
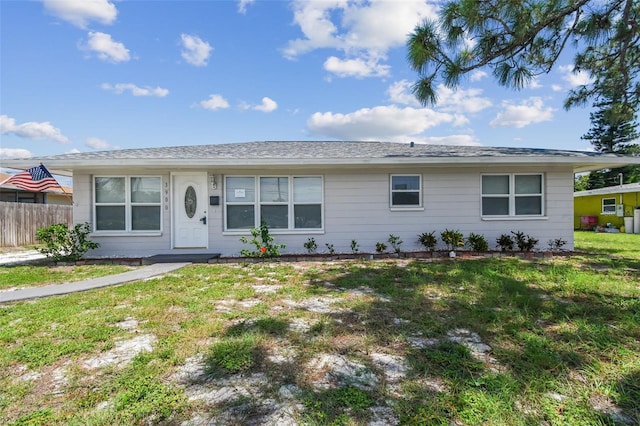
[{"x": 66, "y": 288}]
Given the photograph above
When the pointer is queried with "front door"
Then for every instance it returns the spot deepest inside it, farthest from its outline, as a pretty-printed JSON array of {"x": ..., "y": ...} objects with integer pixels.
[{"x": 190, "y": 228}]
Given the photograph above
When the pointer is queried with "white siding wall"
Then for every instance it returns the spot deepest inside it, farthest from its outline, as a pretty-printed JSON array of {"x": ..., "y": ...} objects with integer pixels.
[
  {"x": 356, "y": 207},
  {"x": 122, "y": 245}
]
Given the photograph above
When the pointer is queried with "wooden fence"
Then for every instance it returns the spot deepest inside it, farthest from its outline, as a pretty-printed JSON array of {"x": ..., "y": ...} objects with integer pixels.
[{"x": 20, "y": 221}]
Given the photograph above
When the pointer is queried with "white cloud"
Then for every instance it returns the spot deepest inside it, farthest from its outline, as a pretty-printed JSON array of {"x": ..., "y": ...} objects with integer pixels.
[
  {"x": 478, "y": 75},
  {"x": 461, "y": 100},
  {"x": 449, "y": 140},
  {"x": 97, "y": 143},
  {"x": 574, "y": 79},
  {"x": 215, "y": 102},
  {"x": 106, "y": 48},
  {"x": 375, "y": 25},
  {"x": 400, "y": 93},
  {"x": 534, "y": 83},
  {"x": 120, "y": 88},
  {"x": 242, "y": 5},
  {"x": 363, "y": 31},
  {"x": 378, "y": 123},
  {"x": 529, "y": 111},
  {"x": 31, "y": 130},
  {"x": 15, "y": 153},
  {"x": 195, "y": 50},
  {"x": 267, "y": 105},
  {"x": 80, "y": 13},
  {"x": 359, "y": 67}
]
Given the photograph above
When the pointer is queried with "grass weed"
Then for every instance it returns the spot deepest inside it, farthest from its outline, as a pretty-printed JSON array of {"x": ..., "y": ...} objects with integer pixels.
[
  {"x": 35, "y": 276},
  {"x": 487, "y": 341}
]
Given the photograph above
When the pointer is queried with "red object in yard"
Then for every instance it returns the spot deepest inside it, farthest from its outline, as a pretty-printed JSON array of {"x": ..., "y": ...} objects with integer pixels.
[{"x": 588, "y": 222}]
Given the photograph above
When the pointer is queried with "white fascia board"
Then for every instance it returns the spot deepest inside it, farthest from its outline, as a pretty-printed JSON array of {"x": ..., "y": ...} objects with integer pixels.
[
  {"x": 66, "y": 166},
  {"x": 616, "y": 189}
]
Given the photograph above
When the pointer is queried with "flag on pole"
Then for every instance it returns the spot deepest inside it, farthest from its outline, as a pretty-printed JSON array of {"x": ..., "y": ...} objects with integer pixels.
[{"x": 35, "y": 179}]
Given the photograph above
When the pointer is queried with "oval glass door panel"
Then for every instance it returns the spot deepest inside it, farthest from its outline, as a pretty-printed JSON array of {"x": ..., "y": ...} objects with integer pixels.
[{"x": 190, "y": 201}]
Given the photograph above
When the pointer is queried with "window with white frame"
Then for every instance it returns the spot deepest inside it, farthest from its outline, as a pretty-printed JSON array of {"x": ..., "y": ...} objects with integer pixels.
[
  {"x": 406, "y": 191},
  {"x": 282, "y": 202},
  {"x": 512, "y": 194},
  {"x": 127, "y": 203},
  {"x": 608, "y": 206}
]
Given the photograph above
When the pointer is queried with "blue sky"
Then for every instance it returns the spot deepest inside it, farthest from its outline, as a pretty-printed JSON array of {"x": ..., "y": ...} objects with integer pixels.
[{"x": 79, "y": 76}]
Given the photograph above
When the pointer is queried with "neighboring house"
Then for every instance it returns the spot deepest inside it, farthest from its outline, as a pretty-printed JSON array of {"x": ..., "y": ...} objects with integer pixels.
[
  {"x": 598, "y": 207},
  {"x": 202, "y": 199},
  {"x": 10, "y": 193}
]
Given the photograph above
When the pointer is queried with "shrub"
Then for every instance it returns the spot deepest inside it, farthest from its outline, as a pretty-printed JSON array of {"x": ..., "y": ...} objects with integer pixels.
[
  {"x": 381, "y": 247},
  {"x": 330, "y": 248},
  {"x": 452, "y": 238},
  {"x": 64, "y": 244},
  {"x": 505, "y": 242},
  {"x": 556, "y": 244},
  {"x": 395, "y": 242},
  {"x": 355, "y": 248},
  {"x": 311, "y": 246},
  {"x": 428, "y": 240},
  {"x": 477, "y": 242},
  {"x": 524, "y": 241},
  {"x": 263, "y": 242}
]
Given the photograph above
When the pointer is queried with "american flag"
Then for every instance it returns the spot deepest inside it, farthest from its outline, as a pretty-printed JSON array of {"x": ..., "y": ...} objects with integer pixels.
[{"x": 35, "y": 179}]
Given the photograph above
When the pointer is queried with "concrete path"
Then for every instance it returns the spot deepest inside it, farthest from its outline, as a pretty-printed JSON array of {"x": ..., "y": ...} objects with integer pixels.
[{"x": 57, "y": 289}]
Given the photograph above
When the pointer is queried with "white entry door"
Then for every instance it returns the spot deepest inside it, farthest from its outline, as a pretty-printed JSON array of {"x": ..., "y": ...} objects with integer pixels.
[{"x": 190, "y": 228}]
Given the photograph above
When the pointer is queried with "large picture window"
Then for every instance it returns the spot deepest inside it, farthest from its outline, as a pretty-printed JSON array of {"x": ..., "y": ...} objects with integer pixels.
[
  {"x": 406, "y": 191},
  {"x": 282, "y": 202},
  {"x": 127, "y": 203},
  {"x": 512, "y": 195}
]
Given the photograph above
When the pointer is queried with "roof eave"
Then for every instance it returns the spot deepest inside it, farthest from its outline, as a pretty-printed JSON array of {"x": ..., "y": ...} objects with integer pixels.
[{"x": 66, "y": 166}]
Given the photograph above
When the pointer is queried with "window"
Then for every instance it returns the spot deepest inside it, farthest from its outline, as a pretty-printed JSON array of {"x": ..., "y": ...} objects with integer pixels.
[
  {"x": 127, "y": 203},
  {"x": 406, "y": 191},
  {"x": 283, "y": 202},
  {"x": 608, "y": 206},
  {"x": 512, "y": 195}
]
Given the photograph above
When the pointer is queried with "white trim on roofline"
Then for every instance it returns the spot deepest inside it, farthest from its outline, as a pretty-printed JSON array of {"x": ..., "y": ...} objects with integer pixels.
[
  {"x": 66, "y": 166},
  {"x": 616, "y": 189}
]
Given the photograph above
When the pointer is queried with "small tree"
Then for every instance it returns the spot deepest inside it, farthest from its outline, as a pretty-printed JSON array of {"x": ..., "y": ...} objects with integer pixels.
[
  {"x": 62, "y": 244},
  {"x": 477, "y": 242},
  {"x": 452, "y": 238},
  {"x": 311, "y": 245},
  {"x": 381, "y": 247},
  {"x": 525, "y": 242},
  {"x": 505, "y": 242},
  {"x": 395, "y": 242},
  {"x": 428, "y": 240},
  {"x": 263, "y": 242}
]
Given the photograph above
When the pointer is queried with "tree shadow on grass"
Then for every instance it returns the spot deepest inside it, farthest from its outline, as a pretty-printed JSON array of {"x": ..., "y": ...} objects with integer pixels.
[{"x": 541, "y": 343}]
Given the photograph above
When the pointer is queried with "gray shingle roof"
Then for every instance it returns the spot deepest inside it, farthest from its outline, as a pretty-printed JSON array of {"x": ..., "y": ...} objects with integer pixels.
[
  {"x": 318, "y": 154},
  {"x": 316, "y": 150}
]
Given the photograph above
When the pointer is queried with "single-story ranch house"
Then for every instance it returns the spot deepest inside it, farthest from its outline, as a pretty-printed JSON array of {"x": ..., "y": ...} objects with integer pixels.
[{"x": 202, "y": 199}]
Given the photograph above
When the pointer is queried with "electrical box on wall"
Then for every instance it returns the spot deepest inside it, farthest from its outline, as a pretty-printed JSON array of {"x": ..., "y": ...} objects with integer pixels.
[
  {"x": 214, "y": 200},
  {"x": 620, "y": 210}
]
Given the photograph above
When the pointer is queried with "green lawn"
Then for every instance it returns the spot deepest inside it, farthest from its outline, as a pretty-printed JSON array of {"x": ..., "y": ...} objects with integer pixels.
[
  {"x": 33, "y": 276},
  {"x": 500, "y": 341}
]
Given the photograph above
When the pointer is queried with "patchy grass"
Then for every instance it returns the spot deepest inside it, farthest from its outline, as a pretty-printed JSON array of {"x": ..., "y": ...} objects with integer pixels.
[
  {"x": 489, "y": 341},
  {"x": 39, "y": 275}
]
